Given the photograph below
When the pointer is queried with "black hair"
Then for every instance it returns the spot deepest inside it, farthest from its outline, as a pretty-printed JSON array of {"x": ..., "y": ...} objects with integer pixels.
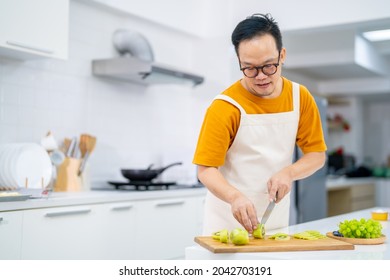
[{"x": 256, "y": 25}]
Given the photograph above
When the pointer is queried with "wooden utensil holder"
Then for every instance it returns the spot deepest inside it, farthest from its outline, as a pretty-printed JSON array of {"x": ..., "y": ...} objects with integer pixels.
[{"x": 67, "y": 176}]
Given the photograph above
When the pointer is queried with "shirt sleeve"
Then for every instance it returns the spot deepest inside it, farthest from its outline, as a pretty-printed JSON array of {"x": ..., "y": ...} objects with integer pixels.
[
  {"x": 310, "y": 136},
  {"x": 217, "y": 133}
]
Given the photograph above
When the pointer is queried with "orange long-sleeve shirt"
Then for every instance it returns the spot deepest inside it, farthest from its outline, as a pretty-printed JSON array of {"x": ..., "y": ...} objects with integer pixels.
[{"x": 222, "y": 120}]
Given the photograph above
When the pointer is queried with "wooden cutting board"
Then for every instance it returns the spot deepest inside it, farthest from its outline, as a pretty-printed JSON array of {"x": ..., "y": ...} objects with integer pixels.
[
  {"x": 271, "y": 245},
  {"x": 359, "y": 241}
]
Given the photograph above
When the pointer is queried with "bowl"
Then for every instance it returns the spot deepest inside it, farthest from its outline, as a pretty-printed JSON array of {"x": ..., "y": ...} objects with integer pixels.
[{"x": 379, "y": 215}]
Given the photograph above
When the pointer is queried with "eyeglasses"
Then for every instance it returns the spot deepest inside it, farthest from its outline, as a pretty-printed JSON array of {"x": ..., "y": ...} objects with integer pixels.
[{"x": 267, "y": 69}]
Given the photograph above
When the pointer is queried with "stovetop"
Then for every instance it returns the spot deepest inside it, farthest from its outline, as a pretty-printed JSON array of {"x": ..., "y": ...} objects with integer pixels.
[{"x": 147, "y": 186}]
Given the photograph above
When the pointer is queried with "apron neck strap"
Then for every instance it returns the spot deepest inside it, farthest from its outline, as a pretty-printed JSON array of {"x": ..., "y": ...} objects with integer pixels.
[{"x": 232, "y": 101}]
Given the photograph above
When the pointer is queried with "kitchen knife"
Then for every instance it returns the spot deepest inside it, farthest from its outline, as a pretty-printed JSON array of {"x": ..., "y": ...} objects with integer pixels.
[{"x": 268, "y": 211}]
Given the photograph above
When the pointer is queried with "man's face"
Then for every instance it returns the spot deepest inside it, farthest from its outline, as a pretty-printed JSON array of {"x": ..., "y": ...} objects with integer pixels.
[{"x": 260, "y": 51}]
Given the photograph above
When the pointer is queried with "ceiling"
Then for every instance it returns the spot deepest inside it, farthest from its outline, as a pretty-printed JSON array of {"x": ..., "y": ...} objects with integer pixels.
[{"x": 340, "y": 55}]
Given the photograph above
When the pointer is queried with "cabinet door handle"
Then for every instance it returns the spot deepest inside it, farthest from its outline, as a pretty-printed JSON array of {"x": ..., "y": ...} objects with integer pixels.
[
  {"x": 170, "y": 203},
  {"x": 29, "y": 47},
  {"x": 68, "y": 212},
  {"x": 122, "y": 207},
  {"x": 1, "y": 219}
]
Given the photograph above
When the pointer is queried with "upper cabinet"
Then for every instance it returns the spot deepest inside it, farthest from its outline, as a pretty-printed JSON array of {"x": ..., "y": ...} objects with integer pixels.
[{"x": 33, "y": 29}]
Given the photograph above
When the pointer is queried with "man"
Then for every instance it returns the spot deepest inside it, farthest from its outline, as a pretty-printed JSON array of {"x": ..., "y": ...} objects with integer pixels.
[{"x": 245, "y": 147}]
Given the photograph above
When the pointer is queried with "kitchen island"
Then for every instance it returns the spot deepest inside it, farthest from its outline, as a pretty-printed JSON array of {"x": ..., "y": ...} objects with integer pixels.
[{"x": 361, "y": 252}]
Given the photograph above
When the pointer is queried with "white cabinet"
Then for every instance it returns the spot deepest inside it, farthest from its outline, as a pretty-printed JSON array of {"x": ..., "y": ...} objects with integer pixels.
[
  {"x": 118, "y": 230},
  {"x": 10, "y": 235},
  {"x": 149, "y": 228},
  {"x": 62, "y": 233},
  {"x": 101, "y": 231},
  {"x": 166, "y": 226},
  {"x": 34, "y": 28}
]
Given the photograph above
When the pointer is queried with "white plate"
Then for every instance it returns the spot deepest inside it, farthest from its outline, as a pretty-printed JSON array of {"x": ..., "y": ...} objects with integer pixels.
[
  {"x": 7, "y": 179},
  {"x": 2, "y": 151},
  {"x": 11, "y": 161},
  {"x": 33, "y": 163}
]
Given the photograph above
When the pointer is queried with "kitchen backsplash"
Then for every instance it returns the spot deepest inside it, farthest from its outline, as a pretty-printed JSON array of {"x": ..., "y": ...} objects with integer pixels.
[{"x": 135, "y": 125}]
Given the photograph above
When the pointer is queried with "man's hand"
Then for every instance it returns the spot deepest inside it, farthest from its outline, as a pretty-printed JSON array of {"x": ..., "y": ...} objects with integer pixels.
[
  {"x": 280, "y": 183},
  {"x": 244, "y": 212}
]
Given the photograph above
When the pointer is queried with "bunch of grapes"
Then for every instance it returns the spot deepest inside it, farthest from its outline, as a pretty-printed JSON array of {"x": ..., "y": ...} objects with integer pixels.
[{"x": 360, "y": 228}]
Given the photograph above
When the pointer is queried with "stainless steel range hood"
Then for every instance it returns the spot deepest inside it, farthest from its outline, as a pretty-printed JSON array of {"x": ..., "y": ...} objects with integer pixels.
[
  {"x": 135, "y": 63},
  {"x": 132, "y": 69}
]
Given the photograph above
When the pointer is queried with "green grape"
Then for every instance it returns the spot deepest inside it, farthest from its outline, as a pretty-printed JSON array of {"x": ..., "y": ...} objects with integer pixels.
[{"x": 363, "y": 228}]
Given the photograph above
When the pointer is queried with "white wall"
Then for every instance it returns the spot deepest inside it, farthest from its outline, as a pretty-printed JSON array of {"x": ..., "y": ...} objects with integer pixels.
[
  {"x": 134, "y": 125},
  {"x": 377, "y": 131}
]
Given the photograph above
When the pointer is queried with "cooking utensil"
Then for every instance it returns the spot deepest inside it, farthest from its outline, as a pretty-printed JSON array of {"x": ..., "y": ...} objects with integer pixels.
[
  {"x": 71, "y": 148},
  {"x": 268, "y": 211},
  {"x": 65, "y": 145},
  {"x": 57, "y": 157},
  {"x": 90, "y": 146},
  {"x": 83, "y": 144},
  {"x": 145, "y": 174}
]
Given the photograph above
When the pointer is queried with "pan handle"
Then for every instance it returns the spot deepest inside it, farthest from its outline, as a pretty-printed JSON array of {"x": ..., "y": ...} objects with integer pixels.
[{"x": 170, "y": 165}]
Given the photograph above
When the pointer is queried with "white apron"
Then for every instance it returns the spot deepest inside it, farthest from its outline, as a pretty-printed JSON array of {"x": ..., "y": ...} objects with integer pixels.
[{"x": 264, "y": 144}]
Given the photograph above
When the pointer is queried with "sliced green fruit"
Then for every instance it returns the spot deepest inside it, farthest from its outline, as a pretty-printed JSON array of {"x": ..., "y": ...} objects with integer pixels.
[
  {"x": 259, "y": 232},
  {"x": 239, "y": 236},
  {"x": 222, "y": 235},
  {"x": 283, "y": 238},
  {"x": 280, "y": 236},
  {"x": 309, "y": 235}
]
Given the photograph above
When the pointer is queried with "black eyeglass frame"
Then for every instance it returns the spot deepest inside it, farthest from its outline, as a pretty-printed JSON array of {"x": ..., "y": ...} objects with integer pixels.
[{"x": 276, "y": 65}]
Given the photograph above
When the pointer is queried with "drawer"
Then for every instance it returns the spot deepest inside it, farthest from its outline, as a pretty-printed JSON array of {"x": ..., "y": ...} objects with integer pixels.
[{"x": 362, "y": 190}]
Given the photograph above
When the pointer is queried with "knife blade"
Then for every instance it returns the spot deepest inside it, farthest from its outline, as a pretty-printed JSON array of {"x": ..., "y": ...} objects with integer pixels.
[{"x": 267, "y": 212}]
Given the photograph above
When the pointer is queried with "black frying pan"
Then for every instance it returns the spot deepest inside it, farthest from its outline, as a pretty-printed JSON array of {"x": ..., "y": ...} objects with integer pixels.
[{"x": 145, "y": 174}]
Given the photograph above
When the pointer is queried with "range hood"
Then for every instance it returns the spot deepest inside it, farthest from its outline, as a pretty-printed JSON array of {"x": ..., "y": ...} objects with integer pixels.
[
  {"x": 132, "y": 69},
  {"x": 136, "y": 63}
]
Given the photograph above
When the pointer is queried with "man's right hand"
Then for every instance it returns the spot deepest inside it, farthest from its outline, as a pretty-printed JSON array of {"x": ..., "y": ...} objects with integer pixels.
[
  {"x": 242, "y": 208},
  {"x": 244, "y": 212}
]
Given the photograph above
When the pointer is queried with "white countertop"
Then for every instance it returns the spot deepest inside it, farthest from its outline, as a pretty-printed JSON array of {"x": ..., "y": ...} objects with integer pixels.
[
  {"x": 58, "y": 199},
  {"x": 340, "y": 182},
  {"x": 361, "y": 252}
]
